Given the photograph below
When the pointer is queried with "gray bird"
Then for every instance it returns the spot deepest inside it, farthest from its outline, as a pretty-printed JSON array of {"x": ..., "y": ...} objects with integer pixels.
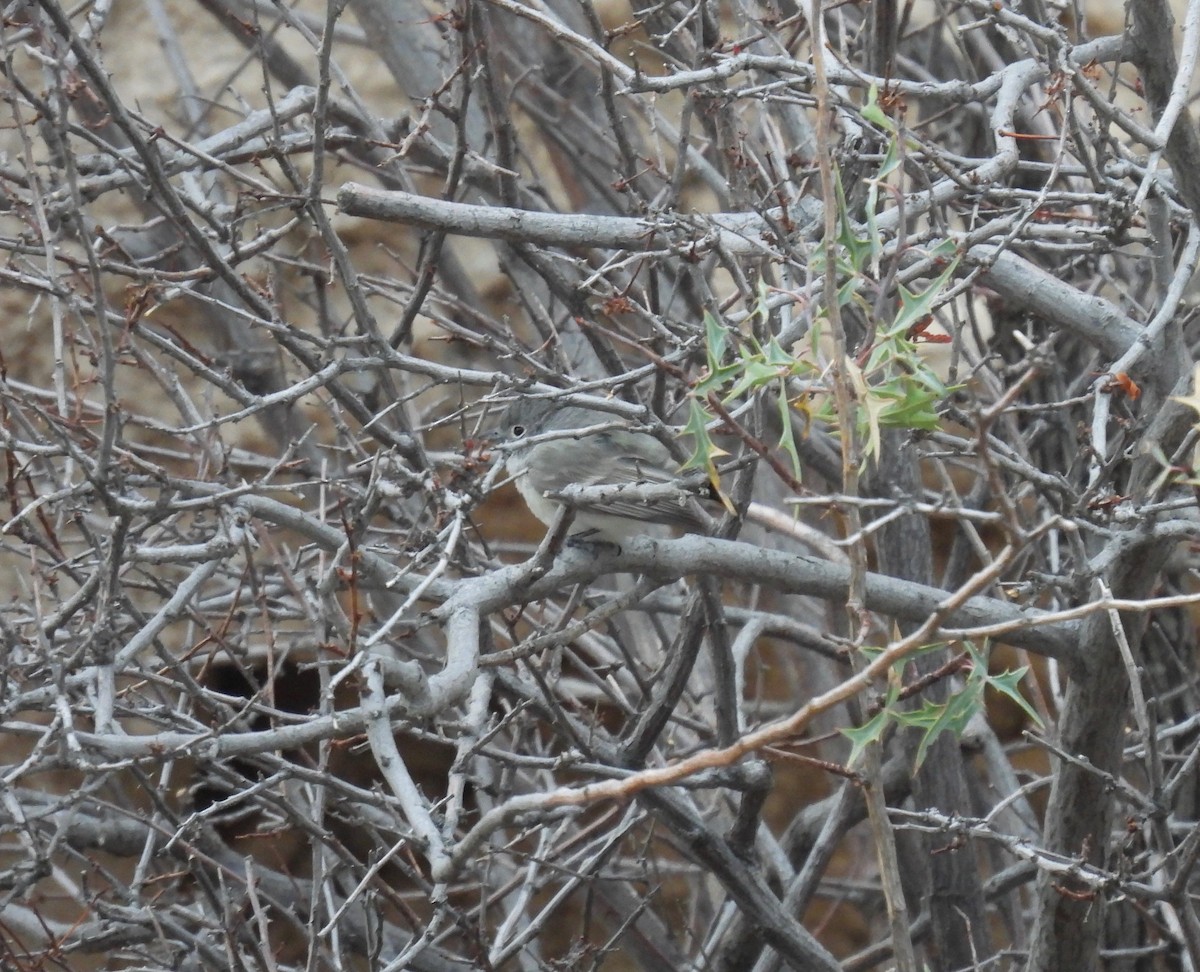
[{"x": 549, "y": 449}]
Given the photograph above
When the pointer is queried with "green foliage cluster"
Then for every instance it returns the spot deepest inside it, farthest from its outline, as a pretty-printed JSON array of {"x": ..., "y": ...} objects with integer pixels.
[
  {"x": 934, "y": 718},
  {"x": 894, "y": 385}
]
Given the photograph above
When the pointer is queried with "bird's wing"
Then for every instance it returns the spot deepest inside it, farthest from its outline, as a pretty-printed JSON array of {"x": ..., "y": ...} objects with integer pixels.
[{"x": 646, "y": 462}]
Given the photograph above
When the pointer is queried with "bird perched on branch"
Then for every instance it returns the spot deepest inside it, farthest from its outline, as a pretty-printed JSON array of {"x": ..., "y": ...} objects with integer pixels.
[{"x": 616, "y": 478}]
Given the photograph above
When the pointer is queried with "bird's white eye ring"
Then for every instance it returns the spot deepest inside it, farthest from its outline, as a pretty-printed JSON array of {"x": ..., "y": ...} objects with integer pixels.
[{"x": 518, "y": 430}]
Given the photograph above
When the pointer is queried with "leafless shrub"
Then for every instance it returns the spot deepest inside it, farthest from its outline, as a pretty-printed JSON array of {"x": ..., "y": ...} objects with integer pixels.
[{"x": 287, "y": 687}]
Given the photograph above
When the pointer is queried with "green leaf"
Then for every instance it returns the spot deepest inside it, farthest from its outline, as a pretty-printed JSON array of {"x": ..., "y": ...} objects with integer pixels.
[
  {"x": 714, "y": 381},
  {"x": 1005, "y": 683},
  {"x": 774, "y": 355},
  {"x": 873, "y": 730},
  {"x": 905, "y": 405},
  {"x": 922, "y": 718},
  {"x": 952, "y": 717},
  {"x": 861, "y": 737},
  {"x": 915, "y": 307},
  {"x": 703, "y": 447},
  {"x": 891, "y": 161},
  {"x": 705, "y": 453},
  {"x": 848, "y": 290},
  {"x": 945, "y": 250},
  {"x": 871, "y": 406},
  {"x": 761, "y": 304},
  {"x": 883, "y": 353},
  {"x": 874, "y": 114},
  {"x": 756, "y": 373},
  {"x": 857, "y": 249},
  {"x": 716, "y": 337},
  {"x": 787, "y": 441}
]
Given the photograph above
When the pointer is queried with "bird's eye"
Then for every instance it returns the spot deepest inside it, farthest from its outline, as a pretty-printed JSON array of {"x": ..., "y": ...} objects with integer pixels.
[{"x": 518, "y": 431}]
